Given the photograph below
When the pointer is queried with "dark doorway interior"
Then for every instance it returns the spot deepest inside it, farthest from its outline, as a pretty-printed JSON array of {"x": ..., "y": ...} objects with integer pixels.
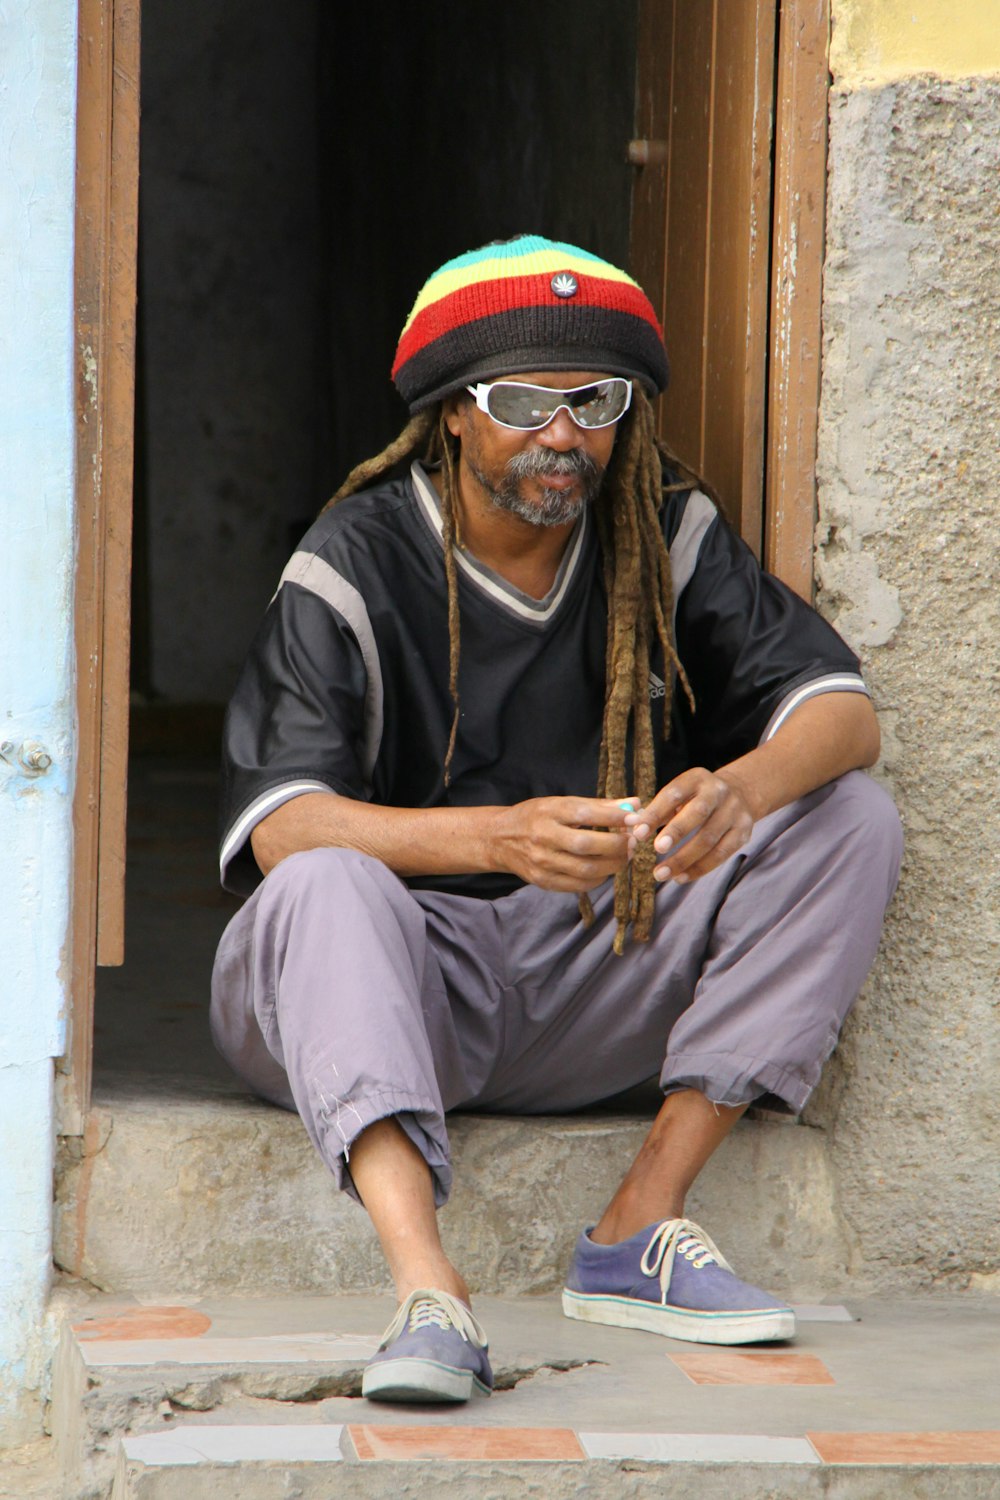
[{"x": 461, "y": 126}]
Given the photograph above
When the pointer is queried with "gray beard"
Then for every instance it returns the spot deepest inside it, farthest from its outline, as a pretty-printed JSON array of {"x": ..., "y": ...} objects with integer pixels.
[{"x": 553, "y": 509}]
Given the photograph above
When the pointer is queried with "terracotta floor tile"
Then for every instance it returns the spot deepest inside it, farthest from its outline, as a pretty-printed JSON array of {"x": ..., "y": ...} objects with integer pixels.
[
  {"x": 145, "y": 1323},
  {"x": 907, "y": 1447},
  {"x": 741, "y": 1367},
  {"x": 372, "y": 1441}
]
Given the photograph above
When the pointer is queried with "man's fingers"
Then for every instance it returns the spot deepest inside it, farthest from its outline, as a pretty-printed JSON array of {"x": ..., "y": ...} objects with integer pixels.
[
  {"x": 698, "y": 843},
  {"x": 565, "y": 843},
  {"x": 693, "y": 816},
  {"x": 590, "y": 870},
  {"x": 575, "y": 874},
  {"x": 701, "y": 821},
  {"x": 718, "y": 841},
  {"x": 569, "y": 858},
  {"x": 661, "y": 808},
  {"x": 724, "y": 850},
  {"x": 595, "y": 812},
  {"x": 588, "y": 843}
]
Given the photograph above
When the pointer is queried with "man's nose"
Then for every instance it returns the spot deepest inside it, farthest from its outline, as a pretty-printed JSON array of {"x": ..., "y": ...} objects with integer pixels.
[{"x": 561, "y": 433}]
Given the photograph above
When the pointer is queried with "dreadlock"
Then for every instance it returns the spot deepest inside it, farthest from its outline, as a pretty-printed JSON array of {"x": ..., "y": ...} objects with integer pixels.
[{"x": 639, "y": 590}]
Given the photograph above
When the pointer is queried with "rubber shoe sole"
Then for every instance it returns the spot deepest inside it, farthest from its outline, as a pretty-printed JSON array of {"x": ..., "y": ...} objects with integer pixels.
[
  {"x": 758, "y": 1326},
  {"x": 419, "y": 1380}
]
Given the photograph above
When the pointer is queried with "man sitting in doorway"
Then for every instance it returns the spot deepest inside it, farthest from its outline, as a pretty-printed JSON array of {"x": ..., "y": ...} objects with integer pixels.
[{"x": 536, "y": 783}]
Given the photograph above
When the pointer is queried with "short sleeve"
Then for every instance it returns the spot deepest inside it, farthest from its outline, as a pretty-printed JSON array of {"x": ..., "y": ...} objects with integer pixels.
[
  {"x": 297, "y": 722},
  {"x": 752, "y": 649}
]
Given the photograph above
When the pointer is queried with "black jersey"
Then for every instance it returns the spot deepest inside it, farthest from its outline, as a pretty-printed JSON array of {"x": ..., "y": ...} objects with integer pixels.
[{"x": 345, "y": 688}]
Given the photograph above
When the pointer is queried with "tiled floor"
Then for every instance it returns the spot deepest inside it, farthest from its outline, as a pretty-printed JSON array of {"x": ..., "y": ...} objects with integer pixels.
[{"x": 878, "y": 1384}]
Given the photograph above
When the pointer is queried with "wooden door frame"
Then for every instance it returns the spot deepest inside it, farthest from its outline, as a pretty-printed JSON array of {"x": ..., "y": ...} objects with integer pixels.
[
  {"x": 107, "y": 185},
  {"x": 700, "y": 232},
  {"x": 797, "y": 250},
  {"x": 778, "y": 385}
]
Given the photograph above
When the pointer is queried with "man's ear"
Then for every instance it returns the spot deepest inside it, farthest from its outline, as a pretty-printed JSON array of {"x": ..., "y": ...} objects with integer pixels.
[{"x": 451, "y": 408}]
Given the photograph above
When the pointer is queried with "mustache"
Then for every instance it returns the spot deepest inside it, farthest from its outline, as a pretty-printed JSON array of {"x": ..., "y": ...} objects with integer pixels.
[{"x": 536, "y": 463}]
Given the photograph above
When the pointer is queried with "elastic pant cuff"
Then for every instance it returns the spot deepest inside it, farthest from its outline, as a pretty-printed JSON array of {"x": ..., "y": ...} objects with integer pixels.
[
  {"x": 341, "y": 1121},
  {"x": 729, "y": 1079}
]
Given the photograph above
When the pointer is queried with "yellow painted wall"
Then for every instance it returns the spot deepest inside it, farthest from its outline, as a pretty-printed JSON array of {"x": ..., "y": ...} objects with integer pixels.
[{"x": 876, "y": 41}]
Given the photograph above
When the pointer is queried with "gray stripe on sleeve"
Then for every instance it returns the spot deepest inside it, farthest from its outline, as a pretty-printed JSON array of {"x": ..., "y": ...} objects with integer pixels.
[
  {"x": 699, "y": 513},
  {"x": 312, "y": 573},
  {"x": 258, "y": 810},
  {"x": 832, "y": 682}
]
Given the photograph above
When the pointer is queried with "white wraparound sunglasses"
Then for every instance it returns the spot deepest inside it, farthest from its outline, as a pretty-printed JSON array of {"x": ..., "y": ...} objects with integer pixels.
[{"x": 526, "y": 408}]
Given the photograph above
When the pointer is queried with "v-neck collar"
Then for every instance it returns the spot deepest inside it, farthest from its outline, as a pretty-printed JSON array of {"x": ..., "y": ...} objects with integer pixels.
[{"x": 485, "y": 578}]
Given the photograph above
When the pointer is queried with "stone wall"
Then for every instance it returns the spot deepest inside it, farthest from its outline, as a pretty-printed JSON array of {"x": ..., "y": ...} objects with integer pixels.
[{"x": 908, "y": 564}]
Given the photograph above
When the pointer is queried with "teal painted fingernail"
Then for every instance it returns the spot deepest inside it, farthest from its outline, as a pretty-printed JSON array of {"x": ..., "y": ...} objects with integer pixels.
[{"x": 626, "y": 807}]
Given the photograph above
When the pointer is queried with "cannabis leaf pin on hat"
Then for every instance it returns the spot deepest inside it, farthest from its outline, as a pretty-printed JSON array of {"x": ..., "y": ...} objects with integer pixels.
[{"x": 565, "y": 284}]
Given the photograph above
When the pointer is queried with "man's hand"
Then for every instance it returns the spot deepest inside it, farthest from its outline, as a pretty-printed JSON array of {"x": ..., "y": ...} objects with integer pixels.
[
  {"x": 703, "y": 820},
  {"x": 562, "y": 843},
  {"x": 715, "y": 811}
]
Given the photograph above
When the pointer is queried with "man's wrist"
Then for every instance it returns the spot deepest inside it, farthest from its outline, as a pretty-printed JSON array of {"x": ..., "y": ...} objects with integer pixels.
[
  {"x": 740, "y": 780},
  {"x": 491, "y": 843}
]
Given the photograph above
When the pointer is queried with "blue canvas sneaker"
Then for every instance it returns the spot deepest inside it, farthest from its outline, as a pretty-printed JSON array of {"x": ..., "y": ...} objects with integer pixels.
[
  {"x": 669, "y": 1278},
  {"x": 433, "y": 1350}
]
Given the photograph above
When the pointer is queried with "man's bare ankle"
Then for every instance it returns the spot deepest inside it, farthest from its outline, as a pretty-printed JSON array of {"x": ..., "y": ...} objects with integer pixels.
[
  {"x": 615, "y": 1226},
  {"x": 435, "y": 1278}
]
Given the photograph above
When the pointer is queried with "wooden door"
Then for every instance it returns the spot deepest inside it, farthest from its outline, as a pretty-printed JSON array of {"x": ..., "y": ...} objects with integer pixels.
[
  {"x": 107, "y": 180},
  {"x": 706, "y": 207}
]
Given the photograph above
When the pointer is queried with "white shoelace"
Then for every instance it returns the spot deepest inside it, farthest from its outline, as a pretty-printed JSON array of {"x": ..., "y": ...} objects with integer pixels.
[
  {"x": 425, "y": 1307},
  {"x": 679, "y": 1237}
]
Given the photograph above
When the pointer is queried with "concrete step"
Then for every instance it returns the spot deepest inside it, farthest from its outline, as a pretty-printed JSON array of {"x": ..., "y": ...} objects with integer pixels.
[
  {"x": 215, "y": 1192},
  {"x": 590, "y": 1465},
  {"x": 731, "y": 1469},
  {"x": 256, "y": 1399}
]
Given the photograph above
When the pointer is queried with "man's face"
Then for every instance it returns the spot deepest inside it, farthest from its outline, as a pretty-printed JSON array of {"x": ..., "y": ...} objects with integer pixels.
[{"x": 545, "y": 477}]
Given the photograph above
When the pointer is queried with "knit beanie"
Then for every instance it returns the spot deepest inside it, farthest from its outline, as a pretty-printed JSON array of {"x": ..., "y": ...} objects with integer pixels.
[{"x": 526, "y": 304}]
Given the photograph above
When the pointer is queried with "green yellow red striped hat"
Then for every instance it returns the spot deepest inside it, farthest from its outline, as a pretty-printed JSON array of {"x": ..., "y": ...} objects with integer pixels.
[{"x": 526, "y": 304}]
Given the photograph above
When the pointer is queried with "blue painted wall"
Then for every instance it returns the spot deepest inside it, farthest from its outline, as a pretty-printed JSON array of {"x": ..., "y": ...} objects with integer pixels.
[{"x": 37, "y": 125}]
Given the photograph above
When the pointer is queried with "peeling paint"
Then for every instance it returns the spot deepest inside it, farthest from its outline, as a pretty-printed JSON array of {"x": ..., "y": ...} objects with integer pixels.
[{"x": 90, "y": 373}]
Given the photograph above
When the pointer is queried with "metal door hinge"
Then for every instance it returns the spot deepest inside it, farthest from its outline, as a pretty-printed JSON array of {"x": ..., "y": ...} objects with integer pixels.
[
  {"x": 645, "y": 153},
  {"x": 31, "y": 758}
]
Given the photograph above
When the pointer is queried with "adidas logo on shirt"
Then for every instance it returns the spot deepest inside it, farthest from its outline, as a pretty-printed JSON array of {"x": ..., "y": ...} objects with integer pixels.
[{"x": 657, "y": 688}]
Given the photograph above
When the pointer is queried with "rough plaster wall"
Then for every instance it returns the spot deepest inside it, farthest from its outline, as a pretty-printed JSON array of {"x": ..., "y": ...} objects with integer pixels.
[{"x": 908, "y": 563}]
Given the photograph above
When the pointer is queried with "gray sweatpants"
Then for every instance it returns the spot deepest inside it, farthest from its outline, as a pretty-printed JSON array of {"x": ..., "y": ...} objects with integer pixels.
[{"x": 340, "y": 993}]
